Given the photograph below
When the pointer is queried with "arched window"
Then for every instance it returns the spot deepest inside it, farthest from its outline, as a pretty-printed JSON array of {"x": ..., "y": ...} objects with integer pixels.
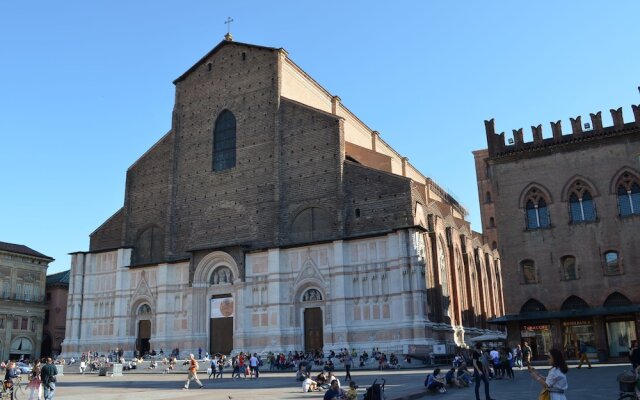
[
  {"x": 628, "y": 195},
  {"x": 617, "y": 299},
  {"x": 224, "y": 142},
  {"x": 569, "y": 269},
  {"x": 574, "y": 303},
  {"x": 611, "y": 263},
  {"x": 492, "y": 222},
  {"x": 149, "y": 247},
  {"x": 537, "y": 211},
  {"x": 529, "y": 272},
  {"x": 532, "y": 305},
  {"x": 487, "y": 197},
  {"x": 581, "y": 204}
]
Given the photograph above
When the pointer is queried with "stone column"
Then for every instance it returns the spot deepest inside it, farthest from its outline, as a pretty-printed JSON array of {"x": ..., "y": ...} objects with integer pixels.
[{"x": 556, "y": 334}]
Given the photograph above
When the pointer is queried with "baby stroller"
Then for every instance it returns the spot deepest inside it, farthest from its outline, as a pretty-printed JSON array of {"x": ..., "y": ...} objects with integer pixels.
[
  {"x": 375, "y": 391},
  {"x": 627, "y": 385}
]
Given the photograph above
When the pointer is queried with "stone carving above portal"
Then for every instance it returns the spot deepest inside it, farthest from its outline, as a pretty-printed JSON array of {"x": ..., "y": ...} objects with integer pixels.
[
  {"x": 221, "y": 276},
  {"x": 312, "y": 295}
]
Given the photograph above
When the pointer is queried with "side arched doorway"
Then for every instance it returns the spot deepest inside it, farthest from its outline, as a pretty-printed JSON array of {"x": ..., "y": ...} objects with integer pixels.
[{"x": 143, "y": 328}]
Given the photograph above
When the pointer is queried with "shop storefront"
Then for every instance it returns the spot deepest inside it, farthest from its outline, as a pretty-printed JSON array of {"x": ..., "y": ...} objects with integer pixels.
[
  {"x": 621, "y": 331},
  {"x": 575, "y": 332},
  {"x": 539, "y": 338}
]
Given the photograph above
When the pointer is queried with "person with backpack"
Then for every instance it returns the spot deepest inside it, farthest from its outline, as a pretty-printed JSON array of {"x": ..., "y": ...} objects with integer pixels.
[{"x": 48, "y": 376}]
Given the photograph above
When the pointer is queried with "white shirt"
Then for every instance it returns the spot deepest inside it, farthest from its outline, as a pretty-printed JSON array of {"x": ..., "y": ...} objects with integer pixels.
[
  {"x": 557, "y": 380},
  {"x": 306, "y": 384}
]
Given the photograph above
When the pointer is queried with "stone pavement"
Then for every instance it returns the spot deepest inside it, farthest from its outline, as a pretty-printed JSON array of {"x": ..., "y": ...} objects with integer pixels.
[{"x": 588, "y": 384}]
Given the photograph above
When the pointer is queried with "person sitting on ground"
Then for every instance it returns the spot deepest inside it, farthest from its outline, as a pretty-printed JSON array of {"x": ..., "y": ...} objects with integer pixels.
[
  {"x": 321, "y": 379},
  {"x": 352, "y": 392},
  {"x": 451, "y": 379},
  {"x": 463, "y": 375},
  {"x": 434, "y": 382},
  {"x": 309, "y": 385}
]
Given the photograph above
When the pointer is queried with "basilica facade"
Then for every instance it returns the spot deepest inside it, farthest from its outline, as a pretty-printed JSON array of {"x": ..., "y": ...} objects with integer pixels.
[{"x": 270, "y": 218}]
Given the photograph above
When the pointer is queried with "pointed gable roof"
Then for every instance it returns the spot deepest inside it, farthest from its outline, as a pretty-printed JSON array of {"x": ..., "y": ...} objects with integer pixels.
[{"x": 214, "y": 50}]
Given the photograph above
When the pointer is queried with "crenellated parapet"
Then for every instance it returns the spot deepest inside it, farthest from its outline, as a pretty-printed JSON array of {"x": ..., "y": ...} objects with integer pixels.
[{"x": 595, "y": 129}]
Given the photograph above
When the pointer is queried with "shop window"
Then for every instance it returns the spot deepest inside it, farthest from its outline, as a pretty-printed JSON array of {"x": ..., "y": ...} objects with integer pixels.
[
  {"x": 529, "y": 272},
  {"x": 569, "y": 268},
  {"x": 612, "y": 263},
  {"x": 620, "y": 334},
  {"x": 576, "y": 333}
]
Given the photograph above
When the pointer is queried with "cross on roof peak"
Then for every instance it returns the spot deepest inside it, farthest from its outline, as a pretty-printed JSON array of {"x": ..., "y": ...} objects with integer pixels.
[{"x": 228, "y": 23}]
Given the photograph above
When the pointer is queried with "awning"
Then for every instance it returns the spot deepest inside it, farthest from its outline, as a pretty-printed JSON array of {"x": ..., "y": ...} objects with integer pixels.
[
  {"x": 490, "y": 337},
  {"x": 585, "y": 312}
]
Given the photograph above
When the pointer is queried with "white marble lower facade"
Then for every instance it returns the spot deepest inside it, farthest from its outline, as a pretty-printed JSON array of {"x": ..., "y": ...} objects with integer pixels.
[{"x": 371, "y": 292}]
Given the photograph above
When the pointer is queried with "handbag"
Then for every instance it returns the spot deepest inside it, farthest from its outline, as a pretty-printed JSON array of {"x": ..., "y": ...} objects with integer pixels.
[{"x": 544, "y": 394}]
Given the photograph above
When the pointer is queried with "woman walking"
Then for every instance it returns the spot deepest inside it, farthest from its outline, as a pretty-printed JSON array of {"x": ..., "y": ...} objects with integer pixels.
[
  {"x": 556, "y": 380},
  {"x": 35, "y": 381}
]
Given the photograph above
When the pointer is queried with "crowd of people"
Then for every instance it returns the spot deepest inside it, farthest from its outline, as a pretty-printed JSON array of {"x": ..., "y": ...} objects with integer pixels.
[
  {"x": 479, "y": 366},
  {"x": 42, "y": 379}
]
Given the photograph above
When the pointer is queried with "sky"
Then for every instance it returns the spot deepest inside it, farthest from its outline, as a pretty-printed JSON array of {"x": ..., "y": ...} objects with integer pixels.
[{"x": 87, "y": 86}]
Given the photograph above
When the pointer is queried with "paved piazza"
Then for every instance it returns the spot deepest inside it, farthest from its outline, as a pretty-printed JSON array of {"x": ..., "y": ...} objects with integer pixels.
[{"x": 597, "y": 383}]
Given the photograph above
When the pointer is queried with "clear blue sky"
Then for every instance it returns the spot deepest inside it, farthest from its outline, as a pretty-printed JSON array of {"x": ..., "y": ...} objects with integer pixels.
[{"x": 87, "y": 85}]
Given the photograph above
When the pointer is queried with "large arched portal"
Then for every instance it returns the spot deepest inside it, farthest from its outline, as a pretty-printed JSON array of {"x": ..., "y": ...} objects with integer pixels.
[{"x": 313, "y": 321}]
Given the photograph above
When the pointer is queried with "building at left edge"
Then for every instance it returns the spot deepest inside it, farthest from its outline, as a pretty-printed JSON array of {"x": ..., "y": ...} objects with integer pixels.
[
  {"x": 271, "y": 218},
  {"x": 55, "y": 317},
  {"x": 22, "y": 308}
]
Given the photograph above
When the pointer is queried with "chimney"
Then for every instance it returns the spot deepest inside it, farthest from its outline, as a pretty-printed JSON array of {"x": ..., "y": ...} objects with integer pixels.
[
  {"x": 335, "y": 101},
  {"x": 556, "y": 128},
  {"x": 374, "y": 139},
  {"x": 618, "y": 120},
  {"x": 596, "y": 120}
]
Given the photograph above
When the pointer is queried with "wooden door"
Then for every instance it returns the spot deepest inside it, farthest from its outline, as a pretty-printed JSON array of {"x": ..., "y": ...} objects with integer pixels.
[
  {"x": 221, "y": 335},
  {"x": 313, "y": 329}
]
